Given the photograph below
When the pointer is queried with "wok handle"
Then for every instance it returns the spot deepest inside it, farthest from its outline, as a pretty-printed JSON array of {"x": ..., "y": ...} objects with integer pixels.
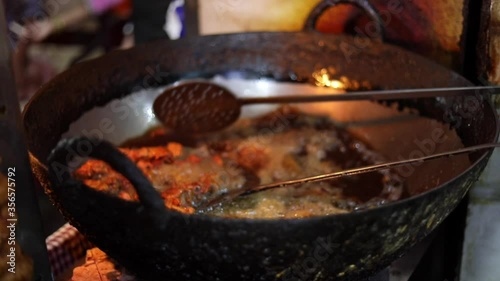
[
  {"x": 69, "y": 154},
  {"x": 362, "y": 4}
]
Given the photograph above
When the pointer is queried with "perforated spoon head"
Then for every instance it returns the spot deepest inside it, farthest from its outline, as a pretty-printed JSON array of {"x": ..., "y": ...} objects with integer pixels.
[{"x": 196, "y": 107}]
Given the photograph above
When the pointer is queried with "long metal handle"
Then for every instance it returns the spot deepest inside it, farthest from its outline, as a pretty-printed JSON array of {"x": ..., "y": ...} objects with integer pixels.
[
  {"x": 372, "y": 168},
  {"x": 379, "y": 95}
]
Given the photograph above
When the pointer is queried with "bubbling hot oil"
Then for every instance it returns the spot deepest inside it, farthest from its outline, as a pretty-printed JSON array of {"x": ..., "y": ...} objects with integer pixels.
[{"x": 283, "y": 145}]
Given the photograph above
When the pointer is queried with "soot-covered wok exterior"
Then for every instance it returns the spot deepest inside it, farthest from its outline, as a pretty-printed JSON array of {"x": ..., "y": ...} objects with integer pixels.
[{"x": 158, "y": 244}]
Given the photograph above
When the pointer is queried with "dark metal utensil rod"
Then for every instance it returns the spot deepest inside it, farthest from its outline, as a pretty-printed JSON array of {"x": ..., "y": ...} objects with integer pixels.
[
  {"x": 377, "y": 95},
  {"x": 372, "y": 168}
]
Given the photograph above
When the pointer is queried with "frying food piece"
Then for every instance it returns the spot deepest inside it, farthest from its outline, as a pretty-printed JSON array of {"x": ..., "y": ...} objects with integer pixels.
[
  {"x": 281, "y": 146},
  {"x": 252, "y": 157}
]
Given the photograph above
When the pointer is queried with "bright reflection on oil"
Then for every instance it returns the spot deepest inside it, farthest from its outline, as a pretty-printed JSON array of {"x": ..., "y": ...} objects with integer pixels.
[{"x": 323, "y": 79}]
